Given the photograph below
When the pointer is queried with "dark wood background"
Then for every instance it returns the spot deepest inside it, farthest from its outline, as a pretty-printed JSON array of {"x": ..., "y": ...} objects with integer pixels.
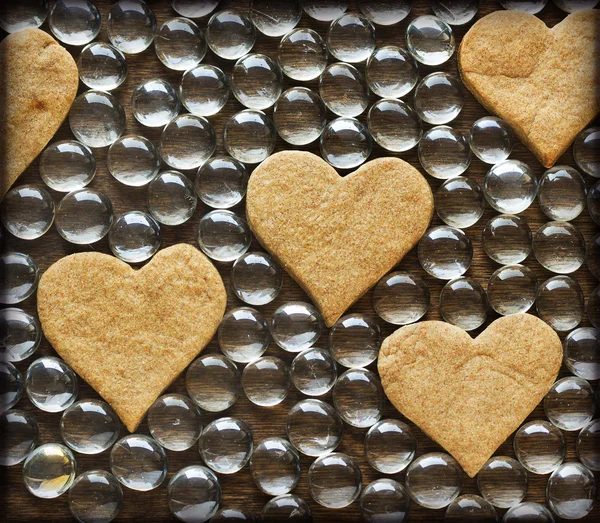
[{"x": 239, "y": 489}]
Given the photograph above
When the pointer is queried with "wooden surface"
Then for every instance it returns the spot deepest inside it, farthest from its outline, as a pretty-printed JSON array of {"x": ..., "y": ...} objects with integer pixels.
[{"x": 239, "y": 489}]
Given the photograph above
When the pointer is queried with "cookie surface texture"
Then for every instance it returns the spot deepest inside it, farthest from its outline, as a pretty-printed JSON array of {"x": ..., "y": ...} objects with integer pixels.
[
  {"x": 337, "y": 236},
  {"x": 129, "y": 333}
]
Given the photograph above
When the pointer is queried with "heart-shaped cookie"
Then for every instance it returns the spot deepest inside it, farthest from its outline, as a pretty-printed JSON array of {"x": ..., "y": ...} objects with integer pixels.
[
  {"x": 129, "y": 333},
  {"x": 544, "y": 82},
  {"x": 470, "y": 395},
  {"x": 39, "y": 84},
  {"x": 337, "y": 236}
]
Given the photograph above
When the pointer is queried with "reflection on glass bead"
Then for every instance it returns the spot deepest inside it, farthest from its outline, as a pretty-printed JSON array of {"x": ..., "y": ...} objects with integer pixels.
[
  {"x": 266, "y": 381},
  {"x": 154, "y": 103},
  {"x": 445, "y": 252},
  {"x": 453, "y": 12},
  {"x": 385, "y": 12},
  {"x": 299, "y": 116},
  {"x": 434, "y": 480},
  {"x": 296, "y": 326},
  {"x": 528, "y": 512},
  {"x": 223, "y": 235},
  {"x": 334, "y": 480},
  {"x": 84, "y": 216},
  {"x": 506, "y": 239},
  {"x": 384, "y": 500},
  {"x": 529, "y": 6},
  {"x": 391, "y": 72},
  {"x": 134, "y": 237},
  {"x": 51, "y": 384},
  {"x": 27, "y": 211},
  {"x": 133, "y": 160},
  {"x": 539, "y": 446},
  {"x": 97, "y": 118},
  {"x": 187, "y": 142},
  {"x": 20, "y": 435},
  {"x": 463, "y": 303},
  {"x": 502, "y": 481},
  {"x": 256, "y": 81},
  {"x": 593, "y": 256},
  {"x": 314, "y": 427},
  {"x": 74, "y": 22},
  {"x": 130, "y": 26},
  {"x": 230, "y": 34},
  {"x": 249, "y": 136},
  {"x": 439, "y": 98},
  {"x": 358, "y": 397},
  {"x": 221, "y": 182},
  {"x": 346, "y": 143},
  {"x": 174, "y": 421},
  {"x": 582, "y": 352},
  {"x": 394, "y": 125},
  {"x": 256, "y": 278},
  {"x": 470, "y": 508},
  {"x": 95, "y": 497},
  {"x": 243, "y": 335},
  {"x": 430, "y": 40},
  {"x": 16, "y": 16},
  {"x": 343, "y": 89},
  {"x": 354, "y": 340},
  {"x": 585, "y": 151},
  {"x": 11, "y": 385},
  {"x": 275, "y": 466},
  {"x": 491, "y": 139},
  {"x": 324, "y": 10},
  {"x": 510, "y": 186},
  {"x": 401, "y": 298},
  {"x": 593, "y": 307},
  {"x": 19, "y": 277},
  {"x": 571, "y": 491},
  {"x": 302, "y": 55},
  {"x": 444, "y": 152},
  {"x": 204, "y": 90},
  {"x": 67, "y": 166},
  {"x": 226, "y": 445},
  {"x": 20, "y": 334},
  {"x": 559, "y": 247},
  {"x": 171, "y": 198},
  {"x": 459, "y": 202},
  {"x": 588, "y": 445},
  {"x": 390, "y": 446},
  {"x": 194, "y": 8},
  {"x": 275, "y": 18},
  {"x": 194, "y": 494},
  {"x": 49, "y": 470},
  {"x": 313, "y": 372},
  {"x": 569, "y": 404},
  {"x": 138, "y": 462},
  {"x": 286, "y": 508},
  {"x": 233, "y": 515},
  {"x": 180, "y": 44},
  {"x": 512, "y": 289},
  {"x": 89, "y": 426},
  {"x": 593, "y": 202},
  {"x": 562, "y": 193},
  {"x": 102, "y": 66},
  {"x": 213, "y": 382},
  {"x": 351, "y": 38},
  {"x": 560, "y": 303}
]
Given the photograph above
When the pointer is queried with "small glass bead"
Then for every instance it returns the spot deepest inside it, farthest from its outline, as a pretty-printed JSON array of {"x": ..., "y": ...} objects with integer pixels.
[
  {"x": 314, "y": 427},
  {"x": 299, "y": 116},
  {"x": 354, "y": 340},
  {"x": 571, "y": 491},
  {"x": 266, "y": 381},
  {"x": 134, "y": 237},
  {"x": 459, "y": 202},
  {"x": 20, "y": 435},
  {"x": 243, "y": 335},
  {"x": 324, "y": 10},
  {"x": 187, "y": 142},
  {"x": 221, "y": 182},
  {"x": 463, "y": 303},
  {"x": 256, "y": 278},
  {"x": 358, "y": 397},
  {"x": 445, "y": 252},
  {"x": 390, "y": 446},
  {"x": 470, "y": 508},
  {"x": 562, "y": 193},
  {"x": 256, "y": 81},
  {"x": 394, "y": 125},
  {"x": 528, "y": 512},
  {"x": 569, "y": 404},
  {"x": 138, "y": 462},
  {"x": 102, "y": 66},
  {"x": 351, "y": 38},
  {"x": 74, "y": 22},
  {"x": 174, "y": 421},
  {"x": 401, "y": 298},
  {"x": 593, "y": 307},
  {"x": 275, "y": 466},
  {"x": 593, "y": 202},
  {"x": 302, "y": 55},
  {"x": 507, "y": 239},
  {"x": 275, "y": 18},
  {"x": 230, "y": 34},
  {"x": 335, "y": 480},
  {"x": 133, "y": 160},
  {"x": 385, "y": 12},
  {"x": 233, "y": 515},
  {"x": 16, "y": 16},
  {"x": 97, "y": 118},
  {"x": 194, "y": 494},
  {"x": 502, "y": 481},
  {"x": 11, "y": 386},
  {"x": 49, "y": 470},
  {"x": 51, "y": 384},
  {"x": 286, "y": 508},
  {"x": 204, "y": 90},
  {"x": 296, "y": 326},
  {"x": 19, "y": 277},
  {"x": 560, "y": 303},
  {"x": 223, "y": 235},
  {"x": 384, "y": 500},
  {"x": 84, "y": 216},
  {"x": 491, "y": 139},
  {"x": 27, "y": 211},
  {"x": 585, "y": 151},
  {"x": 512, "y": 289},
  {"x": 588, "y": 445},
  {"x": 572, "y": 6},
  {"x": 444, "y": 152},
  {"x": 439, "y": 98},
  {"x": 593, "y": 256},
  {"x": 539, "y": 446},
  {"x": 67, "y": 166},
  {"x": 434, "y": 480},
  {"x": 313, "y": 372},
  {"x": 346, "y": 143},
  {"x": 89, "y": 426},
  {"x": 130, "y": 26},
  {"x": 249, "y": 136},
  {"x": 180, "y": 44},
  {"x": 226, "y": 445},
  {"x": 559, "y": 247},
  {"x": 154, "y": 103},
  {"x": 430, "y": 40},
  {"x": 171, "y": 198},
  {"x": 20, "y": 334},
  {"x": 510, "y": 186},
  {"x": 582, "y": 352},
  {"x": 529, "y": 6},
  {"x": 391, "y": 72},
  {"x": 213, "y": 382},
  {"x": 454, "y": 12},
  {"x": 95, "y": 497},
  {"x": 343, "y": 89},
  {"x": 194, "y": 8}
]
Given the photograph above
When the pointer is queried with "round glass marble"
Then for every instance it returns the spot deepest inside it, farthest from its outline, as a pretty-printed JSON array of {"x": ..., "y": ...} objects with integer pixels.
[
  {"x": 502, "y": 481},
  {"x": 89, "y": 426},
  {"x": 302, "y": 55},
  {"x": 84, "y": 216},
  {"x": 194, "y": 494},
  {"x": 358, "y": 397},
  {"x": 560, "y": 303},
  {"x": 180, "y": 44},
  {"x": 27, "y": 211},
  {"x": 174, "y": 421},
  {"x": 243, "y": 335},
  {"x": 296, "y": 326},
  {"x": 445, "y": 252},
  {"x": 529, "y": 6},
  {"x": 390, "y": 446},
  {"x": 430, "y": 40},
  {"x": 394, "y": 125},
  {"x": 74, "y": 22},
  {"x": 391, "y": 72},
  {"x": 313, "y": 372},
  {"x": 334, "y": 480},
  {"x": 491, "y": 139},
  {"x": 346, "y": 143},
  {"x": 507, "y": 239},
  {"x": 593, "y": 256},
  {"x": 384, "y": 500},
  {"x": 354, "y": 340},
  {"x": 539, "y": 446},
  {"x": 230, "y": 34},
  {"x": 256, "y": 278},
  {"x": 49, "y": 470},
  {"x": 97, "y": 118},
  {"x": 19, "y": 277},
  {"x": 204, "y": 90},
  {"x": 249, "y": 136},
  {"x": 434, "y": 480},
  {"x": 439, "y": 98},
  {"x": 343, "y": 89},
  {"x": 51, "y": 384},
  {"x": 131, "y": 26},
  {"x": 571, "y": 491},
  {"x": 67, "y": 166},
  {"x": 585, "y": 151},
  {"x": 101, "y": 66},
  {"x": 459, "y": 202},
  {"x": 233, "y": 515},
  {"x": 529, "y": 511},
  {"x": 593, "y": 202},
  {"x": 582, "y": 352},
  {"x": 213, "y": 382},
  {"x": 20, "y": 435},
  {"x": 138, "y": 462},
  {"x": 588, "y": 445},
  {"x": 194, "y": 8},
  {"x": 385, "y": 12},
  {"x": 299, "y": 116},
  {"x": 463, "y": 303},
  {"x": 134, "y": 237},
  {"x": 444, "y": 152},
  {"x": 569, "y": 404},
  {"x": 11, "y": 383},
  {"x": 274, "y": 18},
  {"x": 275, "y": 466},
  {"x": 266, "y": 381},
  {"x": 324, "y": 10},
  {"x": 510, "y": 186},
  {"x": 133, "y": 160},
  {"x": 512, "y": 289},
  {"x": 470, "y": 508},
  {"x": 314, "y": 427},
  {"x": 256, "y": 81},
  {"x": 351, "y": 38},
  {"x": 154, "y": 103},
  {"x": 187, "y": 142},
  {"x": 559, "y": 247},
  {"x": 221, "y": 182},
  {"x": 226, "y": 445},
  {"x": 562, "y": 193},
  {"x": 401, "y": 298},
  {"x": 455, "y": 13},
  {"x": 171, "y": 198},
  {"x": 223, "y": 235},
  {"x": 16, "y": 16},
  {"x": 572, "y": 6},
  {"x": 95, "y": 497},
  {"x": 593, "y": 307},
  {"x": 287, "y": 507},
  {"x": 20, "y": 334}
]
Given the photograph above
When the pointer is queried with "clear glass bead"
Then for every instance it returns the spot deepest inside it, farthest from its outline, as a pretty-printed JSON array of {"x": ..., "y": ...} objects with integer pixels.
[
  {"x": 507, "y": 239},
  {"x": 49, "y": 470},
  {"x": 559, "y": 247},
  {"x": 346, "y": 143},
  {"x": 454, "y": 12},
  {"x": 134, "y": 237},
  {"x": 588, "y": 445},
  {"x": 89, "y": 426},
  {"x": 180, "y": 44},
  {"x": 138, "y": 462},
  {"x": 221, "y": 182},
  {"x": 19, "y": 277},
  {"x": 243, "y": 335},
  {"x": 256, "y": 81},
  {"x": 256, "y": 278},
  {"x": 233, "y": 515},
  {"x": 95, "y": 497},
  {"x": 67, "y": 166},
  {"x": 299, "y": 116},
  {"x": 102, "y": 66},
  {"x": 84, "y": 216},
  {"x": 390, "y": 446},
  {"x": 275, "y": 18},
  {"x": 296, "y": 326},
  {"x": 593, "y": 202},
  {"x": 324, "y": 10},
  {"x": 131, "y": 26},
  {"x": 430, "y": 40},
  {"x": 394, "y": 125},
  {"x": 230, "y": 34},
  {"x": 593, "y": 256},
  {"x": 171, "y": 198},
  {"x": 384, "y": 500},
  {"x": 74, "y": 22},
  {"x": 445, "y": 252},
  {"x": 502, "y": 481},
  {"x": 585, "y": 151},
  {"x": 249, "y": 136},
  {"x": 354, "y": 340},
  {"x": 439, "y": 98},
  {"x": 351, "y": 38},
  {"x": 16, "y": 16},
  {"x": 20, "y": 435},
  {"x": 287, "y": 507},
  {"x": 204, "y": 90},
  {"x": 560, "y": 303},
  {"x": 571, "y": 491},
  {"x": 343, "y": 89},
  {"x": 358, "y": 397},
  {"x": 51, "y": 384},
  {"x": 562, "y": 193},
  {"x": 154, "y": 103},
  {"x": 194, "y": 494},
  {"x": 385, "y": 12},
  {"x": 539, "y": 446},
  {"x": 11, "y": 386},
  {"x": 20, "y": 334},
  {"x": 187, "y": 142},
  {"x": 133, "y": 160},
  {"x": 174, "y": 421},
  {"x": 302, "y": 55},
  {"x": 470, "y": 508},
  {"x": 213, "y": 382},
  {"x": 491, "y": 139},
  {"x": 401, "y": 298},
  {"x": 223, "y": 235},
  {"x": 512, "y": 289},
  {"x": 572, "y": 6},
  {"x": 459, "y": 202},
  {"x": 434, "y": 480},
  {"x": 391, "y": 72},
  {"x": 463, "y": 303},
  {"x": 266, "y": 381},
  {"x": 593, "y": 307},
  {"x": 194, "y": 8},
  {"x": 510, "y": 186},
  {"x": 313, "y": 372},
  {"x": 569, "y": 404},
  {"x": 27, "y": 211},
  {"x": 97, "y": 118},
  {"x": 444, "y": 152},
  {"x": 529, "y": 6},
  {"x": 334, "y": 480},
  {"x": 582, "y": 352},
  {"x": 314, "y": 427},
  {"x": 226, "y": 445},
  {"x": 275, "y": 466},
  {"x": 529, "y": 511}
]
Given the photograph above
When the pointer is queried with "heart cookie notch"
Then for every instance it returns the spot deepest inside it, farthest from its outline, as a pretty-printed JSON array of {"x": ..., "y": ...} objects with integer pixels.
[
  {"x": 129, "y": 333},
  {"x": 337, "y": 236},
  {"x": 468, "y": 394}
]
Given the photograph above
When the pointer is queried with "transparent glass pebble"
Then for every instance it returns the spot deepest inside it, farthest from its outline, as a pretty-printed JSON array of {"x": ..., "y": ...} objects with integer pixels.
[
  {"x": 27, "y": 211},
  {"x": 95, "y": 497},
  {"x": 133, "y": 160},
  {"x": 593, "y": 202},
  {"x": 187, "y": 142},
  {"x": 20, "y": 334},
  {"x": 455, "y": 12},
  {"x": 287, "y": 507},
  {"x": 19, "y": 277},
  {"x": 19, "y": 436},
  {"x": 401, "y": 298},
  {"x": 385, "y": 12},
  {"x": 275, "y": 18},
  {"x": 588, "y": 445},
  {"x": 256, "y": 81},
  {"x": 174, "y": 421},
  {"x": 84, "y": 216},
  {"x": 266, "y": 381},
  {"x": 444, "y": 152},
  {"x": 559, "y": 247},
  {"x": 384, "y": 500},
  {"x": 391, "y": 72},
  {"x": 16, "y": 16},
  {"x": 138, "y": 462},
  {"x": 171, "y": 198},
  {"x": 354, "y": 340},
  {"x": 11, "y": 386},
  {"x": 180, "y": 44},
  {"x": 51, "y": 384},
  {"x": 244, "y": 335},
  {"x": 572, "y": 6},
  {"x": 314, "y": 427},
  {"x": 434, "y": 480},
  {"x": 101, "y": 66},
  {"x": 346, "y": 143},
  {"x": 390, "y": 446},
  {"x": 510, "y": 186},
  {"x": 358, "y": 397},
  {"x": 502, "y": 481},
  {"x": 343, "y": 89},
  {"x": 593, "y": 256},
  {"x": 213, "y": 382},
  {"x": 154, "y": 103},
  {"x": 134, "y": 237},
  {"x": 529, "y": 6},
  {"x": 299, "y": 116},
  {"x": 194, "y": 494},
  {"x": 313, "y": 372},
  {"x": 204, "y": 90},
  {"x": 463, "y": 303},
  {"x": 585, "y": 151},
  {"x": 256, "y": 278},
  {"x": 194, "y": 8},
  {"x": 131, "y": 26},
  {"x": 351, "y": 38},
  {"x": 74, "y": 22},
  {"x": 507, "y": 239},
  {"x": 302, "y": 55},
  {"x": 49, "y": 470},
  {"x": 430, "y": 40},
  {"x": 582, "y": 352},
  {"x": 233, "y": 515},
  {"x": 334, "y": 480},
  {"x": 569, "y": 404},
  {"x": 230, "y": 34},
  {"x": 470, "y": 507},
  {"x": 221, "y": 182},
  {"x": 571, "y": 491},
  {"x": 439, "y": 98},
  {"x": 275, "y": 466},
  {"x": 445, "y": 252},
  {"x": 460, "y": 202},
  {"x": 491, "y": 139},
  {"x": 528, "y": 512},
  {"x": 394, "y": 125},
  {"x": 67, "y": 166},
  {"x": 512, "y": 289},
  {"x": 324, "y": 10},
  {"x": 539, "y": 446},
  {"x": 562, "y": 193},
  {"x": 89, "y": 426},
  {"x": 593, "y": 307},
  {"x": 97, "y": 118},
  {"x": 223, "y": 235},
  {"x": 249, "y": 136},
  {"x": 226, "y": 445},
  {"x": 296, "y": 326},
  {"x": 560, "y": 303}
]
